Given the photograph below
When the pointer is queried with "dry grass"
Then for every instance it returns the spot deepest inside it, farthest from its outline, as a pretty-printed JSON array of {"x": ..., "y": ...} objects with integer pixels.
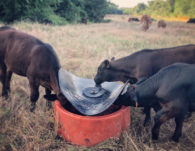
[{"x": 80, "y": 49}]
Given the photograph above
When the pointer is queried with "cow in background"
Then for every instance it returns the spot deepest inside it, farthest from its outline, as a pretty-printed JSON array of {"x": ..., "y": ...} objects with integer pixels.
[
  {"x": 133, "y": 19},
  {"x": 162, "y": 24}
]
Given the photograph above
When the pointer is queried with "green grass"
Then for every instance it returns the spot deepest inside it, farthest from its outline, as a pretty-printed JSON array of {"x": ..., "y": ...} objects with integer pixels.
[{"x": 80, "y": 49}]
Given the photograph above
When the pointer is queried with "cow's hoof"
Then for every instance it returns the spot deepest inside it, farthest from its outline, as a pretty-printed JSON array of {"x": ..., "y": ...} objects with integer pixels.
[
  {"x": 175, "y": 139},
  {"x": 188, "y": 115},
  {"x": 32, "y": 108},
  {"x": 154, "y": 137},
  {"x": 5, "y": 96},
  {"x": 147, "y": 123}
]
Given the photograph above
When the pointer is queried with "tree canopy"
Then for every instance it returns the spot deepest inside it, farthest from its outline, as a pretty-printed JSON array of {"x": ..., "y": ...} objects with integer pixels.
[
  {"x": 52, "y": 11},
  {"x": 165, "y": 8},
  {"x": 62, "y": 11}
]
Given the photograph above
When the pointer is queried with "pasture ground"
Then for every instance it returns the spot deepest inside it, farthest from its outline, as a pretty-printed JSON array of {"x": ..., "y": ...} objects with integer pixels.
[{"x": 81, "y": 48}]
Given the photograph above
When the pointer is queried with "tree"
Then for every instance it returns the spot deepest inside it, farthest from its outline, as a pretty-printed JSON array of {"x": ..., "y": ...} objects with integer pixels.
[
  {"x": 34, "y": 10},
  {"x": 128, "y": 11},
  {"x": 184, "y": 8},
  {"x": 170, "y": 4},
  {"x": 168, "y": 8},
  {"x": 96, "y": 9},
  {"x": 191, "y": 11},
  {"x": 52, "y": 11},
  {"x": 71, "y": 10},
  {"x": 140, "y": 8},
  {"x": 11, "y": 10},
  {"x": 113, "y": 9},
  {"x": 158, "y": 7},
  {"x": 181, "y": 7}
]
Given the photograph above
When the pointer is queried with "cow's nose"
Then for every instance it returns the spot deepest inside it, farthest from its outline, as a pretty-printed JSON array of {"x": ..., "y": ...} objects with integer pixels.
[{"x": 97, "y": 81}]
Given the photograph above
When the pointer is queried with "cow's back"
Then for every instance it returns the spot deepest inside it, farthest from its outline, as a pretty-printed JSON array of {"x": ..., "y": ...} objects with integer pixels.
[
  {"x": 175, "y": 81},
  {"x": 3, "y": 40},
  {"x": 13, "y": 41},
  {"x": 19, "y": 50},
  {"x": 151, "y": 61}
]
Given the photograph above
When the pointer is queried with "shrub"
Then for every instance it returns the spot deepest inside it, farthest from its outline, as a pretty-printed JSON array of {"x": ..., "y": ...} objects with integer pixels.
[{"x": 96, "y": 9}]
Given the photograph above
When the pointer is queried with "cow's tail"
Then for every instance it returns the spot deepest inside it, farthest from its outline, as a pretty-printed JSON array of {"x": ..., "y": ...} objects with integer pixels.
[{"x": 54, "y": 78}]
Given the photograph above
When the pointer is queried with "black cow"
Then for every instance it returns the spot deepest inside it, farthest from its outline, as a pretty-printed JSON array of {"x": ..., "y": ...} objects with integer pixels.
[
  {"x": 174, "y": 88},
  {"x": 26, "y": 55},
  {"x": 191, "y": 20},
  {"x": 143, "y": 64},
  {"x": 133, "y": 19}
]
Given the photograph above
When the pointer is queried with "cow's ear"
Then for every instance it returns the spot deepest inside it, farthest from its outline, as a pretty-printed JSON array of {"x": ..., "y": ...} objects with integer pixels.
[
  {"x": 107, "y": 63},
  {"x": 113, "y": 58}
]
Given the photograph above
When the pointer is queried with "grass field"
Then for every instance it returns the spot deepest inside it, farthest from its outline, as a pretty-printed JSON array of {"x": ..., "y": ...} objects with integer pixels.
[{"x": 80, "y": 49}]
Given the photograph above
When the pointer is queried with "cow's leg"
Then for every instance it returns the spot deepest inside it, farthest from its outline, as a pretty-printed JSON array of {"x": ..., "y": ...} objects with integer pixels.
[
  {"x": 147, "y": 120},
  {"x": 160, "y": 117},
  {"x": 178, "y": 129},
  {"x": 48, "y": 93},
  {"x": 8, "y": 78},
  {"x": 156, "y": 107},
  {"x": 3, "y": 80},
  {"x": 34, "y": 93},
  {"x": 179, "y": 122}
]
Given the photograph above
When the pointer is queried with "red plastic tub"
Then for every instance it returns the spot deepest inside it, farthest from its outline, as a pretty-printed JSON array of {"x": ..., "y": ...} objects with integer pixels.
[{"x": 90, "y": 130}]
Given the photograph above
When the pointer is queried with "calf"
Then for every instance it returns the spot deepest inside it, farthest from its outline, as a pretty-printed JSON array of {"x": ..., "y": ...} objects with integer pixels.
[
  {"x": 161, "y": 24},
  {"x": 174, "y": 88},
  {"x": 26, "y": 55},
  {"x": 143, "y": 64}
]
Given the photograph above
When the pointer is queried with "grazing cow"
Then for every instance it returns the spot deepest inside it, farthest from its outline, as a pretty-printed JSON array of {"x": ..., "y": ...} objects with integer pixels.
[
  {"x": 191, "y": 20},
  {"x": 143, "y": 64},
  {"x": 146, "y": 22},
  {"x": 162, "y": 24},
  {"x": 133, "y": 19},
  {"x": 26, "y": 55},
  {"x": 174, "y": 88}
]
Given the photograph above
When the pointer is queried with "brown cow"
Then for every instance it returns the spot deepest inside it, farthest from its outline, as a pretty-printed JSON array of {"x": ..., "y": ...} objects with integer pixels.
[
  {"x": 26, "y": 55},
  {"x": 162, "y": 24},
  {"x": 146, "y": 22}
]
